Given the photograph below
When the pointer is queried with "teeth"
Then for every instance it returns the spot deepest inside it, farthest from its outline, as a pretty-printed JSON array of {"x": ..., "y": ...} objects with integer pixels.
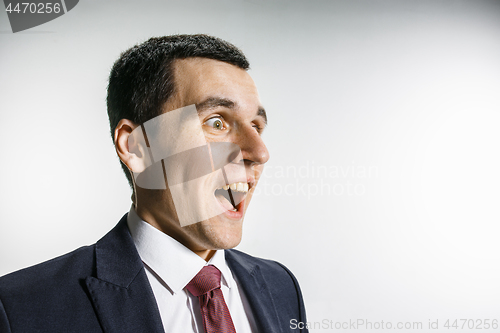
[{"x": 240, "y": 187}]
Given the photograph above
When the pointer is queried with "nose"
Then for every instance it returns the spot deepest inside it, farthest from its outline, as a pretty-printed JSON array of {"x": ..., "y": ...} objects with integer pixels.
[{"x": 252, "y": 147}]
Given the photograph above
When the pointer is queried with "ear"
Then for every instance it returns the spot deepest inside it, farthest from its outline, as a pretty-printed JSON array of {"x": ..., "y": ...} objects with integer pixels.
[{"x": 130, "y": 145}]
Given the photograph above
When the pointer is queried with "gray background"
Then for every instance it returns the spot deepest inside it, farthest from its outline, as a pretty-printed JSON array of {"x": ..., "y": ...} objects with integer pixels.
[{"x": 397, "y": 100}]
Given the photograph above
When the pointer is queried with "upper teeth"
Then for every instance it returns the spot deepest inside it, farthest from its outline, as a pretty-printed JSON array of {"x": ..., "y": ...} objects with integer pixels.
[{"x": 240, "y": 187}]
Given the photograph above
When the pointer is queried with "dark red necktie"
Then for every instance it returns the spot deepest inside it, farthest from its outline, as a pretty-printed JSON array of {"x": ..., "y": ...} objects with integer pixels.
[{"x": 206, "y": 286}]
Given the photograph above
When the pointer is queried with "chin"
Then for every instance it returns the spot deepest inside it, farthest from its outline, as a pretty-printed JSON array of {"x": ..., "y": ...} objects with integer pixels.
[
  {"x": 228, "y": 243},
  {"x": 218, "y": 233}
]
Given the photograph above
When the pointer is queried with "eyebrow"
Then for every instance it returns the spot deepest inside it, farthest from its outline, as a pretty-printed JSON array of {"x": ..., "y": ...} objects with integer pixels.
[
  {"x": 263, "y": 114},
  {"x": 214, "y": 102}
]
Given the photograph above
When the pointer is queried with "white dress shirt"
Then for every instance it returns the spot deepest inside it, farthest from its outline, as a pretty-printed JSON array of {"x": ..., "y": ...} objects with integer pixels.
[{"x": 170, "y": 266}]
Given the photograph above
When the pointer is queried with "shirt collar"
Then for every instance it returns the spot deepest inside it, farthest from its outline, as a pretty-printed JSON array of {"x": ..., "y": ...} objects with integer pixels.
[{"x": 171, "y": 261}]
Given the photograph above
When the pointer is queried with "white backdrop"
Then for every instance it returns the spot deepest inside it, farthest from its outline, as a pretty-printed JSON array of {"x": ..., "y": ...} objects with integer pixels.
[{"x": 382, "y": 191}]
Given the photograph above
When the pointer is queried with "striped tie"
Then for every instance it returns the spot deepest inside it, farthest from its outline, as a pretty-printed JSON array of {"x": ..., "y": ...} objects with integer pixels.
[{"x": 206, "y": 286}]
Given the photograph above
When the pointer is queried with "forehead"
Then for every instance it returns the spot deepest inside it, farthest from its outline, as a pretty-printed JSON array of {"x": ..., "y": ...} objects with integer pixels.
[{"x": 197, "y": 79}]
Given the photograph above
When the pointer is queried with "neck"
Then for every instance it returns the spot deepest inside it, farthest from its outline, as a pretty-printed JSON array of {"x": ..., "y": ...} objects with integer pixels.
[
  {"x": 205, "y": 254},
  {"x": 175, "y": 231}
]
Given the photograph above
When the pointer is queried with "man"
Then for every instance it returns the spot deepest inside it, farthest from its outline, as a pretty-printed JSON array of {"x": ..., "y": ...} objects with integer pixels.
[{"x": 186, "y": 121}]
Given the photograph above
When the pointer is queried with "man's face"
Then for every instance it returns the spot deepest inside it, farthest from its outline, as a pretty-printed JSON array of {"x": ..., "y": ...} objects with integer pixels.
[{"x": 229, "y": 110}]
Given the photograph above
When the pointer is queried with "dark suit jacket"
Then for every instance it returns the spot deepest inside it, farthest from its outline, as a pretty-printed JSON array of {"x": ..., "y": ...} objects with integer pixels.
[{"x": 104, "y": 288}]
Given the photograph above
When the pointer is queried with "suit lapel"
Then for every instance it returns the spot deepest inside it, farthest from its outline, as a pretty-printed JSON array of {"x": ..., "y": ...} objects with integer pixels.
[
  {"x": 256, "y": 289},
  {"x": 120, "y": 291}
]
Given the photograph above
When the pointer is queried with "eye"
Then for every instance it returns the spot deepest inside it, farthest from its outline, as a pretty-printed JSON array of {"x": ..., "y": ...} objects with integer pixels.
[
  {"x": 215, "y": 123},
  {"x": 259, "y": 128}
]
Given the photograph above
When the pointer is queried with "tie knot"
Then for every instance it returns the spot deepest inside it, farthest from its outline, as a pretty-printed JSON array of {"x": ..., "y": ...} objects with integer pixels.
[{"x": 206, "y": 280}]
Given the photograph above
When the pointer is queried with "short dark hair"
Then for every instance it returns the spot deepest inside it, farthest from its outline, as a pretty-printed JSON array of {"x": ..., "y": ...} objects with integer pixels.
[{"x": 142, "y": 79}]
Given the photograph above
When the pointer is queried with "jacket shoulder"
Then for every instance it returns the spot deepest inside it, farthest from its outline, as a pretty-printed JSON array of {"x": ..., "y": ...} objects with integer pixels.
[
  {"x": 77, "y": 263},
  {"x": 53, "y": 296},
  {"x": 49, "y": 296}
]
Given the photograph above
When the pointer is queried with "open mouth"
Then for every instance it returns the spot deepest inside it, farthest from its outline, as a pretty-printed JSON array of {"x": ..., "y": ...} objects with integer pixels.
[{"x": 230, "y": 196}]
